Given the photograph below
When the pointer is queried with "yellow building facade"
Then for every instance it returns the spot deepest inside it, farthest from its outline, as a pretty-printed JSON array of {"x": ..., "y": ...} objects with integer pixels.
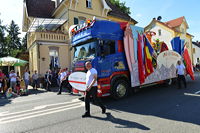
[{"x": 47, "y": 23}]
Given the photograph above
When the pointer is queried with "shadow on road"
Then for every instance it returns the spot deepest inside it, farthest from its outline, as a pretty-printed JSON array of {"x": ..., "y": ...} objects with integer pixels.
[
  {"x": 122, "y": 123},
  {"x": 165, "y": 102},
  {"x": 35, "y": 92},
  {"x": 32, "y": 91},
  {"x": 3, "y": 100},
  {"x": 56, "y": 89}
]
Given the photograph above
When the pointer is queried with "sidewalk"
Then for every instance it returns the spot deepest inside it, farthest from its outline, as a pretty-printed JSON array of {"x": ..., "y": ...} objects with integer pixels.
[{"x": 43, "y": 90}]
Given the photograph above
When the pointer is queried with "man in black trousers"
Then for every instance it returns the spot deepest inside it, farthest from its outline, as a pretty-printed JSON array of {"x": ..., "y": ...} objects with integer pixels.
[
  {"x": 48, "y": 78},
  {"x": 181, "y": 72},
  {"x": 62, "y": 81},
  {"x": 91, "y": 83}
]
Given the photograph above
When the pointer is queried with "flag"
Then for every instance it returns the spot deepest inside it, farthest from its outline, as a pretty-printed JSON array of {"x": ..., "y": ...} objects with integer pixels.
[
  {"x": 163, "y": 47},
  {"x": 189, "y": 67},
  {"x": 148, "y": 53},
  {"x": 178, "y": 45},
  {"x": 182, "y": 46},
  {"x": 140, "y": 60},
  {"x": 175, "y": 44},
  {"x": 135, "y": 31}
]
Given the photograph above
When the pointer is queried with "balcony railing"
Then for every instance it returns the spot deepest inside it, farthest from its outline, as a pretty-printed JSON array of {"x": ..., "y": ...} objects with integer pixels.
[{"x": 47, "y": 37}]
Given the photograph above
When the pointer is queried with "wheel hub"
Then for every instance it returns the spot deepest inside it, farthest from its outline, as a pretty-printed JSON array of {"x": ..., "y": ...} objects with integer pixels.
[{"x": 121, "y": 90}]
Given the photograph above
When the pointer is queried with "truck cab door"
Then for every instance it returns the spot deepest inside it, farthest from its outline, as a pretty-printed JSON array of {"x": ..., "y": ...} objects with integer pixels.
[{"x": 106, "y": 58}]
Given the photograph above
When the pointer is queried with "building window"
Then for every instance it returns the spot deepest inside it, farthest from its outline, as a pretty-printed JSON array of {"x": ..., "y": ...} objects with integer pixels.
[
  {"x": 89, "y": 3},
  {"x": 54, "y": 58},
  {"x": 82, "y": 20},
  {"x": 183, "y": 31},
  {"x": 159, "y": 32},
  {"x": 75, "y": 20}
]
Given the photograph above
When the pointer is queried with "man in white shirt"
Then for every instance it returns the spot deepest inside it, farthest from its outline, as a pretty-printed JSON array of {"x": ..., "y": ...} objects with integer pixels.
[
  {"x": 63, "y": 75},
  {"x": 26, "y": 79},
  {"x": 91, "y": 83},
  {"x": 13, "y": 79},
  {"x": 64, "y": 81},
  {"x": 181, "y": 72}
]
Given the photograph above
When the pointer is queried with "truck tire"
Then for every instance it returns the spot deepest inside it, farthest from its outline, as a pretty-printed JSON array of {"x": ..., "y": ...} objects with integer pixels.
[{"x": 119, "y": 89}]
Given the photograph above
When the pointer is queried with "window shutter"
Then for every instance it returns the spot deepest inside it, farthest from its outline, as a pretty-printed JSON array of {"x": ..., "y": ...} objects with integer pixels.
[
  {"x": 86, "y": 3},
  {"x": 75, "y": 20}
]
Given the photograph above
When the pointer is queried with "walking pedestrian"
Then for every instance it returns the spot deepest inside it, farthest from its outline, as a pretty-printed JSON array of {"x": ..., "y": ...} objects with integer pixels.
[
  {"x": 35, "y": 80},
  {"x": 69, "y": 88},
  {"x": 181, "y": 72},
  {"x": 91, "y": 83}
]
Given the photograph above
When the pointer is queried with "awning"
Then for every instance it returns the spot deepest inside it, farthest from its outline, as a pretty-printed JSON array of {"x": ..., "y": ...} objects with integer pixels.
[
  {"x": 11, "y": 61},
  {"x": 52, "y": 43},
  {"x": 46, "y": 23}
]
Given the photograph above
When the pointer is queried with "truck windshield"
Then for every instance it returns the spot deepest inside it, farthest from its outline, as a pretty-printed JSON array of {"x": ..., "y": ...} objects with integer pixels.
[{"x": 86, "y": 50}]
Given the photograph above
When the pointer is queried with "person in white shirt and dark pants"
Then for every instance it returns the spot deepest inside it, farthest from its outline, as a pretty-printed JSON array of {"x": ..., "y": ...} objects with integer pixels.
[
  {"x": 13, "y": 80},
  {"x": 63, "y": 76},
  {"x": 26, "y": 79},
  {"x": 181, "y": 72},
  {"x": 91, "y": 83}
]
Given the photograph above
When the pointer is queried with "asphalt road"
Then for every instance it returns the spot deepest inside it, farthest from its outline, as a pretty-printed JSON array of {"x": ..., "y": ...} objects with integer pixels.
[{"x": 156, "y": 109}]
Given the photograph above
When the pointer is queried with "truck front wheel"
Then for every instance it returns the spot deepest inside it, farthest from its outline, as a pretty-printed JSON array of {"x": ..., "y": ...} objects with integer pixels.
[{"x": 119, "y": 89}]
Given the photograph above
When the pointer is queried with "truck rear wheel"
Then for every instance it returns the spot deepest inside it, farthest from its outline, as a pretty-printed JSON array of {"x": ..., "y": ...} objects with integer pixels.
[{"x": 119, "y": 89}]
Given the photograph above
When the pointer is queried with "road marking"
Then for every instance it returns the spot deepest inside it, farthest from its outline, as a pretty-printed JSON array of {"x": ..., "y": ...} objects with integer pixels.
[
  {"x": 24, "y": 100},
  {"x": 40, "y": 107},
  {"x": 3, "y": 113},
  {"x": 35, "y": 112},
  {"x": 32, "y": 116},
  {"x": 41, "y": 113},
  {"x": 197, "y": 92},
  {"x": 47, "y": 105},
  {"x": 190, "y": 94}
]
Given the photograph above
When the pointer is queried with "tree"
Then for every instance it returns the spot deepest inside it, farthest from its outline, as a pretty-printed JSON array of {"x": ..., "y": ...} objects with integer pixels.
[
  {"x": 24, "y": 43},
  {"x": 13, "y": 39},
  {"x": 2, "y": 40},
  {"x": 121, "y": 5},
  {"x": 11, "y": 44}
]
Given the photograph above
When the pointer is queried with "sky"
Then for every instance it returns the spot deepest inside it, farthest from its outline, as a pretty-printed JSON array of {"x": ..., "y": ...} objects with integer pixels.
[
  {"x": 142, "y": 11},
  {"x": 12, "y": 10}
]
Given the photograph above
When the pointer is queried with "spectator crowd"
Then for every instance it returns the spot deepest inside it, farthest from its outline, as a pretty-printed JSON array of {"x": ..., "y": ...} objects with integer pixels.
[{"x": 12, "y": 85}]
